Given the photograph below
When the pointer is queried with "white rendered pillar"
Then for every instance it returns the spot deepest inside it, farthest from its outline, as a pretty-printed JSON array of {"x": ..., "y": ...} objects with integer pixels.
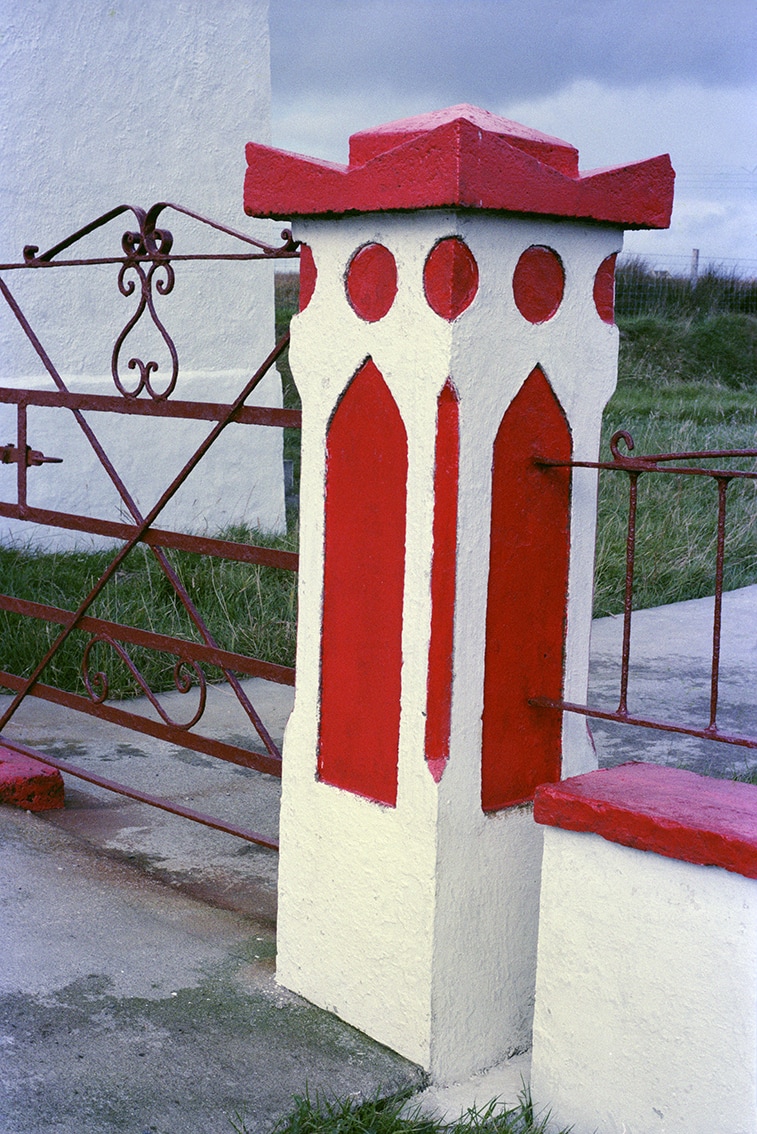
[{"x": 448, "y": 336}]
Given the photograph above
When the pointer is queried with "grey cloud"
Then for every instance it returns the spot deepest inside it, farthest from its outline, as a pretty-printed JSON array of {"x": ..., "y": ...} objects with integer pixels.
[{"x": 487, "y": 51}]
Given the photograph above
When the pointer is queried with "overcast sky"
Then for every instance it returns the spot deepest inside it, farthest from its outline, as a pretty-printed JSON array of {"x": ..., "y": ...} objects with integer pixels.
[{"x": 620, "y": 80}]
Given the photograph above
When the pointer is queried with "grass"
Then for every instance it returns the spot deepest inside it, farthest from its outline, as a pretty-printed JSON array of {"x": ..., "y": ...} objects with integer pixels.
[
  {"x": 397, "y": 1115},
  {"x": 641, "y": 290},
  {"x": 679, "y": 388},
  {"x": 684, "y": 383},
  {"x": 249, "y": 609}
]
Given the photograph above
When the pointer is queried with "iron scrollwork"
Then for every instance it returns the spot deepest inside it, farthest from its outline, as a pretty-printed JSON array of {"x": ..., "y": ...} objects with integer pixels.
[
  {"x": 98, "y": 685},
  {"x": 149, "y": 246}
]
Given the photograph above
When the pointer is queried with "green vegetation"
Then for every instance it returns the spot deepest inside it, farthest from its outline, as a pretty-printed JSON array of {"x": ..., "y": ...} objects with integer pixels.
[
  {"x": 398, "y": 1115},
  {"x": 685, "y": 383},
  {"x": 249, "y": 609},
  {"x": 641, "y": 290}
]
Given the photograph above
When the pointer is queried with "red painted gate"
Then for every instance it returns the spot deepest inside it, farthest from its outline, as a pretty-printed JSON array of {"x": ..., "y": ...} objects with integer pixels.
[{"x": 146, "y": 267}]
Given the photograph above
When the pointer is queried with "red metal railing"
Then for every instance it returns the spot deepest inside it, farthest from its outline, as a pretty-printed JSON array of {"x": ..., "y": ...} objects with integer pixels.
[
  {"x": 145, "y": 267},
  {"x": 663, "y": 464}
]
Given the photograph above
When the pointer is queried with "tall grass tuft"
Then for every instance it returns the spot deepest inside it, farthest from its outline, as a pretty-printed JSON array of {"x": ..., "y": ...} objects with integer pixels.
[{"x": 397, "y": 1115}]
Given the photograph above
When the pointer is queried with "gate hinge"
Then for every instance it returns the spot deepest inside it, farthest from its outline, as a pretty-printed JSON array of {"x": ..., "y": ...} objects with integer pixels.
[{"x": 9, "y": 456}]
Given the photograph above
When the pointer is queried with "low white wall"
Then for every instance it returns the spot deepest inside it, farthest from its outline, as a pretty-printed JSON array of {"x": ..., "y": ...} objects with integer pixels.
[
  {"x": 119, "y": 102},
  {"x": 646, "y": 991}
]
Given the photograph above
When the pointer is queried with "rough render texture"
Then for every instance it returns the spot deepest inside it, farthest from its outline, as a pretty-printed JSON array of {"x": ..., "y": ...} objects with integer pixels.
[
  {"x": 434, "y": 904},
  {"x": 29, "y": 784},
  {"x": 138, "y": 103},
  {"x": 646, "y": 992},
  {"x": 676, "y": 813}
]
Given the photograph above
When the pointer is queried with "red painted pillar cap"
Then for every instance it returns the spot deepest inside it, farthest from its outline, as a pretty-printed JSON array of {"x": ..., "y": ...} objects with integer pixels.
[
  {"x": 669, "y": 811},
  {"x": 461, "y": 157}
]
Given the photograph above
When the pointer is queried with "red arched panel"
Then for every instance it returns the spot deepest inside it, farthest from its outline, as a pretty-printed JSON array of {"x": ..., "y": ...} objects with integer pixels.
[
  {"x": 527, "y": 598},
  {"x": 439, "y": 688},
  {"x": 364, "y": 572}
]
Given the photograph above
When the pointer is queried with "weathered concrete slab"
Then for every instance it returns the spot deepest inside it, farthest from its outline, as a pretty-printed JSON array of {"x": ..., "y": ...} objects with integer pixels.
[
  {"x": 128, "y": 1005},
  {"x": 670, "y": 680}
]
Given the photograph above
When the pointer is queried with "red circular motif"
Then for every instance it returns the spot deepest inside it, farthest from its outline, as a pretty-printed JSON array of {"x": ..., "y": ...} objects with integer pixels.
[
  {"x": 308, "y": 275},
  {"x": 604, "y": 289},
  {"x": 538, "y": 283},
  {"x": 450, "y": 277},
  {"x": 371, "y": 282}
]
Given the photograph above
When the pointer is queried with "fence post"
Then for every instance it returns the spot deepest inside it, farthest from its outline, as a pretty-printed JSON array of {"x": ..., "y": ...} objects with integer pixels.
[{"x": 456, "y": 322}]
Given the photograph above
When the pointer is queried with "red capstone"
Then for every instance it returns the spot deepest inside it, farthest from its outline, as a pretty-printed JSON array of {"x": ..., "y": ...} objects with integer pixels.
[
  {"x": 461, "y": 157},
  {"x": 538, "y": 283},
  {"x": 669, "y": 811},
  {"x": 28, "y": 783}
]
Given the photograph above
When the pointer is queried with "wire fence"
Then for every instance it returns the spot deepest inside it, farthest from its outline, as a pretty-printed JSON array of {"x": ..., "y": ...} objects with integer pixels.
[{"x": 681, "y": 286}]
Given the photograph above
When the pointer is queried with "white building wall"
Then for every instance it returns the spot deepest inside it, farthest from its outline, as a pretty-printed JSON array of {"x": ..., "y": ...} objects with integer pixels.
[{"x": 110, "y": 102}]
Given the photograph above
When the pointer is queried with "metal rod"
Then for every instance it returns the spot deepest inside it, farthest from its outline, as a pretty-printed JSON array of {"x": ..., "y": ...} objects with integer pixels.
[
  {"x": 258, "y": 761},
  {"x": 142, "y": 797},
  {"x": 628, "y": 595},
  {"x": 21, "y": 443},
  {"x": 175, "y": 408},
  {"x": 181, "y": 647},
  {"x": 158, "y": 537},
  {"x": 723, "y": 483},
  {"x": 644, "y": 722}
]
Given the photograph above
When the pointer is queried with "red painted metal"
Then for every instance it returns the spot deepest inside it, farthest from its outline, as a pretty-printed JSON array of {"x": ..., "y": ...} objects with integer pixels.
[
  {"x": 671, "y": 812},
  {"x": 371, "y": 282},
  {"x": 538, "y": 283},
  {"x": 443, "y": 576},
  {"x": 527, "y": 598},
  {"x": 143, "y": 797},
  {"x": 459, "y": 157},
  {"x": 661, "y": 464},
  {"x": 604, "y": 289},
  {"x": 364, "y": 571},
  {"x": 450, "y": 277},
  {"x": 145, "y": 265}
]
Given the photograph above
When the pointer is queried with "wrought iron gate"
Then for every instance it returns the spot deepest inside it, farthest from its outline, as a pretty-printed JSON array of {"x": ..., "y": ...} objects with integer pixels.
[{"x": 146, "y": 269}]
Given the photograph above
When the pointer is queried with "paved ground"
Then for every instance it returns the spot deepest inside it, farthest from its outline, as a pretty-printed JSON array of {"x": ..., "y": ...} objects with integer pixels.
[{"x": 136, "y": 980}]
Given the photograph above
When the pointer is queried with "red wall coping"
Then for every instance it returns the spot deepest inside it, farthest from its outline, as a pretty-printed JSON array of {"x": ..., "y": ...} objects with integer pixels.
[
  {"x": 462, "y": 157},
  {"x": 666, "y": 810}
]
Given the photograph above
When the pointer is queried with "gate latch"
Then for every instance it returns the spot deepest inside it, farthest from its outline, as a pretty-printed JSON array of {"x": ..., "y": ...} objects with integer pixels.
[{"x": 9, "y": 456}]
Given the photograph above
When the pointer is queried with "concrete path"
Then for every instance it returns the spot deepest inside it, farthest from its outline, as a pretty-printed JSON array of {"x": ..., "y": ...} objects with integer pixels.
[
  {"x": 136, "y": 981},
  {"x": 671, "y": 649},
  {"x": 137, "y": 988}
]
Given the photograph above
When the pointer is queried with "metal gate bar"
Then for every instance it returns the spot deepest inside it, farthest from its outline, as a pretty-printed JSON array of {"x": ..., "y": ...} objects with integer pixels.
[
  {"x": 145, "y": 252},
  {"x": 143, "y": 797},
  {"x": 635, "y": 467}
]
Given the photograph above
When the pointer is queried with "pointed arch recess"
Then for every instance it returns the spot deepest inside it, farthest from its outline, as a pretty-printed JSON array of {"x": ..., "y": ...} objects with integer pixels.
[
  {"x": 527, "y": 598},
  {"x": 364, "y": 572},
  {"x": 443, "y": 567}
]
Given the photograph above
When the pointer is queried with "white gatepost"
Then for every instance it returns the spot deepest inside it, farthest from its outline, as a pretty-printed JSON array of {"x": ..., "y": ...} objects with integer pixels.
[{"x": 456, "y": 323}]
